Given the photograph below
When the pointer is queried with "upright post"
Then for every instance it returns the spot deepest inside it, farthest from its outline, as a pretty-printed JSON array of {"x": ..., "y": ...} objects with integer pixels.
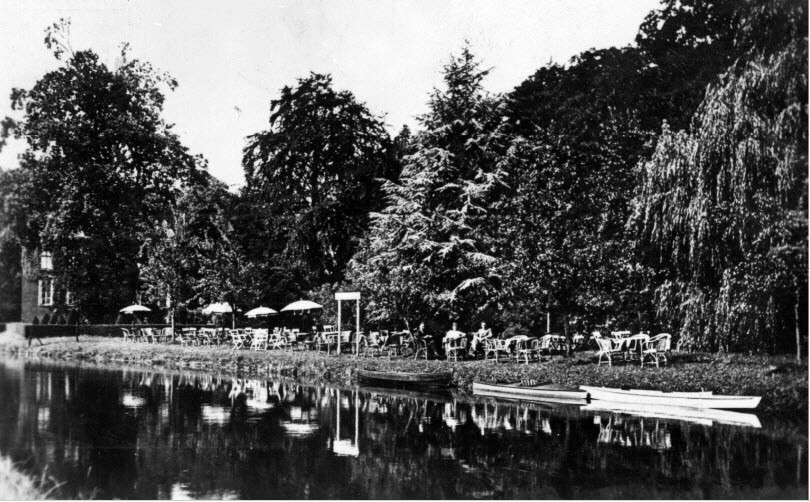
[
  {"x": 357, "y": 332},
  {"x": 339, "y": 330}
]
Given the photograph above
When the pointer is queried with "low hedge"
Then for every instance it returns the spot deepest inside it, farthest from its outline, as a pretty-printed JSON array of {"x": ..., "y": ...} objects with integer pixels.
[{"x": 55, "y": 330}]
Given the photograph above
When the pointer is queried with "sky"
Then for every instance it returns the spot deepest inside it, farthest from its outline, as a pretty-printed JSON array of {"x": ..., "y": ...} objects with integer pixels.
[{"x": 232, "y": 58}]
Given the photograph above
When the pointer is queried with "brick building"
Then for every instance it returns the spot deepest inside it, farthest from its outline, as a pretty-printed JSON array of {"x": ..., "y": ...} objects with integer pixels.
[{"x": 40, "y": 293}]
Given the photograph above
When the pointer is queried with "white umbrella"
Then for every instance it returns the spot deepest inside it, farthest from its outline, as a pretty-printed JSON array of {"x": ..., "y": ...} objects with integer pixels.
[
  {"x": 301, "y": 305},
  {"x": 217, "y": 308},
  {"x": 260, "y": 311},
  {"x": 135, "y": 308}
]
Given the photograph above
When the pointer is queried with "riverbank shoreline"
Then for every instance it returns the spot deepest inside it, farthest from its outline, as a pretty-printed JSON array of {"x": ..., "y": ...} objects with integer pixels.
[{"x": 782, "y": 384}]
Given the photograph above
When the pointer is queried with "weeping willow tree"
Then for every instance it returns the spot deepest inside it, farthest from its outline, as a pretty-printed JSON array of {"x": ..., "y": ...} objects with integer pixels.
[{"x": 722, "y": 208}]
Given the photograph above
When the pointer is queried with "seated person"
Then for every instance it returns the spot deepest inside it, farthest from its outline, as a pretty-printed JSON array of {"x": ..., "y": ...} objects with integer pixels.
[
  {"x": 479, "y": 337},
  {"x": 453, "y": 334},
  {"x": 422, "y": 335}
]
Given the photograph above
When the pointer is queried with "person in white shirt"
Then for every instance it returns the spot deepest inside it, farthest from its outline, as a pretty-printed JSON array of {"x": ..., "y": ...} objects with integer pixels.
[
  {"x": 453, "y": 334},
  {"x": 479, "y": 337}
]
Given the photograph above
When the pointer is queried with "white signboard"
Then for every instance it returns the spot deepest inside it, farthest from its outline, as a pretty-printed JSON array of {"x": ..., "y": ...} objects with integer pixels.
[{"x": 348, "y": 296}]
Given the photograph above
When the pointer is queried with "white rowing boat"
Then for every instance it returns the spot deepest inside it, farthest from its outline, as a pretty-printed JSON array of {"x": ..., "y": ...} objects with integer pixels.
[
  {"x": 687, "y": 399},
  {"x": 547, "y": 392},
  {"x": 703, "y": 416}
]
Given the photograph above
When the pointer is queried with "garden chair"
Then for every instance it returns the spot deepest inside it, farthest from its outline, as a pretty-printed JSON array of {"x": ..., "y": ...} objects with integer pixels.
[
  {"x": 128, "y": 335},
  {"x": 238, "y": 340},
  {"x": 344, "y": 338},
  {"x": 148, "y": 335},
  {"x": 277, "y": 341},
  {"x": 496, "y": 347},
  {"x": 324, "y": 341},
  {"x": 657, "y": 349},
  {"x": 455, "y": 347},
  {"x": 420, "y": 348},
  {"x": 259, "y": 341},
  {"x": 528, "y": 349},
  {"x": 389, "y": 345},
  {"x": 547, "y": 343},
  {"x": 190, "y": 336},
  {"x": 370, "y": 345},
  {"x": 607, "y": 348},
  {"x": 165, "y": 334}
]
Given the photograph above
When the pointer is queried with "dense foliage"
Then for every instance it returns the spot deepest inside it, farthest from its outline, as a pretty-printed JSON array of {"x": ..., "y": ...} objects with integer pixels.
[
  {"x": 660, "y": 186},
  {"x": 95, "y": 141},
  {"x": 431, "y": 252},
  {"x": 723, "y": 207},
  {"x": 314, "y": 175}
]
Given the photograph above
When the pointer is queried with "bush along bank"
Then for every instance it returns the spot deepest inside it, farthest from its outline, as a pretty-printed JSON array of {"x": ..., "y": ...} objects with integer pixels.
[{"x": 782, "y": 384}]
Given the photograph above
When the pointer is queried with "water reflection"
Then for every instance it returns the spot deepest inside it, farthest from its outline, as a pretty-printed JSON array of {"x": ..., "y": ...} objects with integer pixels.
[{"x": 132, "y": 434}]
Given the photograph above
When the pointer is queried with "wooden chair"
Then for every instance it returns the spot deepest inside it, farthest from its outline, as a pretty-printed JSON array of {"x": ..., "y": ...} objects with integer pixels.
[
  {"x": 277, "y": 341},
  {"x": 324, "y": 341},
  {"x": 128, "y": 335},
  {"x": 607, "y": 348},
  {"x": 238, "y": 340},
  {"x": 370, "y": 344},
  {"x": 528, "y": 349},
  {"x": 189, "y": 336},
  {"x": 259, "y": 341},
  {"x": 420, "y": 348},
  {"x": 496, "y": 347},
  {"x": 148, "y": 335},
  {"x": 455, "y": 347},
  {"x": 547, "y": 343},
  {"x": 345, "y": 341},
  {"x": 165, "y": 335},
  {"x": 657, "y": 348}
]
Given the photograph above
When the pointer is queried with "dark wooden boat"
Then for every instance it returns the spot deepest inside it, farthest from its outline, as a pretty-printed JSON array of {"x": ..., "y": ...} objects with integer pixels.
[
  {"x": 438, "y": 395},
  {"x": 407, "y": 379}
]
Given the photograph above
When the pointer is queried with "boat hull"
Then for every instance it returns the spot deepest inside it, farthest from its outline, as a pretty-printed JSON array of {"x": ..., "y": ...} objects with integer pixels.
[
  {"x": 685, "y": 399},
  {"x": 395, "y": 378},
  {"x": 703, "y": 416},
  {"x": 535, "y": 393}
]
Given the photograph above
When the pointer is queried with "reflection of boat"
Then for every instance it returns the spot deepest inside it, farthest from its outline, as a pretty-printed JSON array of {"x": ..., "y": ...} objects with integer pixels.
[
  {"x": 440, "y": 379},
  {"x": 657, "y": 397},
  {"x": 703, "y": 416},
  {"x": 546, "y": 392},
  {"x": 436, "y": 396}
]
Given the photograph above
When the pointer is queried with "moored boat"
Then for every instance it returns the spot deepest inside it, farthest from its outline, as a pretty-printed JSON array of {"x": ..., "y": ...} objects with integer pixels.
[
  {"x": 703, "y": 416},
  {"x": 687, "y": 399},
  {"x": 439, "y": 379},
  {"x": 545, "y": 392}
]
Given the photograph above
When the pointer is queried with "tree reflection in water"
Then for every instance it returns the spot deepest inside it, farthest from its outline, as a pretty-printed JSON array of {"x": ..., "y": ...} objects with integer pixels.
[{"x": 134, "y": 434}]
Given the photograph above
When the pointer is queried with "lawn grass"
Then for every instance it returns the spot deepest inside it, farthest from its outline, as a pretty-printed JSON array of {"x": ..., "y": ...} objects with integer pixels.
[{"x": 782, "y": 384}]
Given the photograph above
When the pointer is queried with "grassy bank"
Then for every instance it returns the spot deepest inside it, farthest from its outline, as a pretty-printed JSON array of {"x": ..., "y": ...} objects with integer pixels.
[
  {"x": 781, "y": 383},
  {"x": 14, "y": 485}
]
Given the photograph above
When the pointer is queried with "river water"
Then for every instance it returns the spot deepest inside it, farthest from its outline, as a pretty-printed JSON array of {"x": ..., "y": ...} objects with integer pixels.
[{"x": 167, "y": 435}]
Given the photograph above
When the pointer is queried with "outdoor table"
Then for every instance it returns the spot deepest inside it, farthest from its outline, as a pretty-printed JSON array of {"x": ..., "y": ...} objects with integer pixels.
[{"x": 634, "y": 345}]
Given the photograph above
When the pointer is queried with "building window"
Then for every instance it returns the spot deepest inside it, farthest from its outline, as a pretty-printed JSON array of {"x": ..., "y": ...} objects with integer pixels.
[
  {"x": 46, "y": 292},
  {"x": 46, "y": 261},
  {"x": 69, "y": 298}
]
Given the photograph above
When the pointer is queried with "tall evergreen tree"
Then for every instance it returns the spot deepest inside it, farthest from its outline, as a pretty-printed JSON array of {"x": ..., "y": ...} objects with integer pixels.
[{"x": 431, "y": 252}]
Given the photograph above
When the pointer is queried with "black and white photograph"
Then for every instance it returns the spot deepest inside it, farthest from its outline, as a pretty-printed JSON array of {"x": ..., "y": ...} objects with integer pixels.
[{"x": 403, "y": 249}]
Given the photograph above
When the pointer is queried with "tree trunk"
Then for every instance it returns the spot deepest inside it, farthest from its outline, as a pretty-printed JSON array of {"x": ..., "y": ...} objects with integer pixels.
[
  {"x": 568, "y": 340},
  {"x": 796, "y": 323}
]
